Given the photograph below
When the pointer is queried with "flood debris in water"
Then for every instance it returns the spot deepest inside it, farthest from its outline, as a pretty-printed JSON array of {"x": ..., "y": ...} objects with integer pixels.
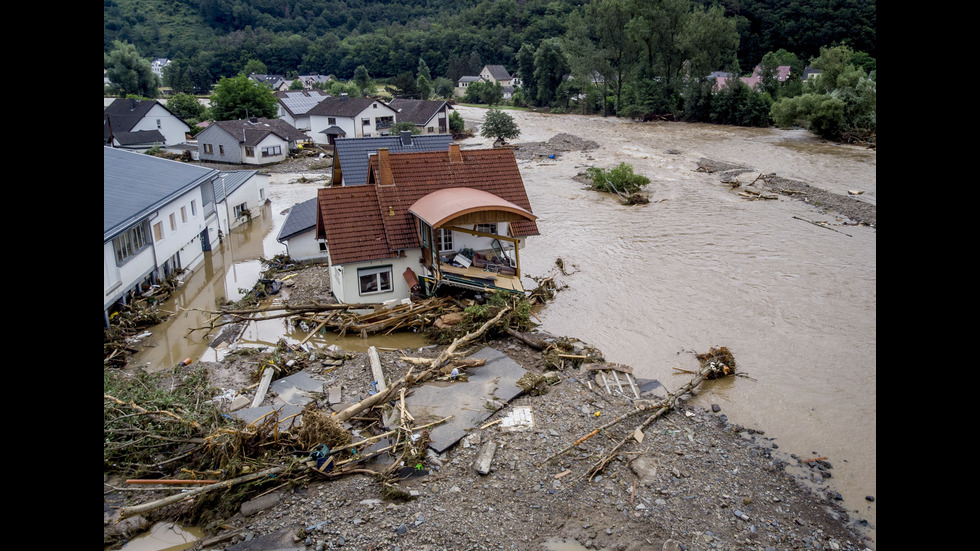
[{"x": 133, "y": 318}]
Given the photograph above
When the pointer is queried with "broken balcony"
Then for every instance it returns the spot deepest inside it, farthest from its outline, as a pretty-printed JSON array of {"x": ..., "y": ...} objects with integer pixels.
[{"x": 465, "y": 241}]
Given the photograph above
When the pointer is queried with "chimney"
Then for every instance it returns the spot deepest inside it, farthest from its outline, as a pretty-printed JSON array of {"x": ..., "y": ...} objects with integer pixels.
[
  {"x": 454, "y": 155},
  {"x": 406, "y": 138}
]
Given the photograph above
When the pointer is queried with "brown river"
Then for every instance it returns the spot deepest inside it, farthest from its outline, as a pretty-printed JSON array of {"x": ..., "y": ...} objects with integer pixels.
[{"x": 698, "y": 267}]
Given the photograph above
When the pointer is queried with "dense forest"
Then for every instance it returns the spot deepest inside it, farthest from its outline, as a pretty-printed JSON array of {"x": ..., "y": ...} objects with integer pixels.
[
  {"x": 388, "y": 37},
  {"x": 623, "y": 57}
]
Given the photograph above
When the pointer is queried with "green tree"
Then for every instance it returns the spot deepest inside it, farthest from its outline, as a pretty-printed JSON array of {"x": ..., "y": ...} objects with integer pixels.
[
  {"x": 129, "y": 73},
  {"x": 525, "y": 68},
  {"x": 241, "y": 97},
  {"x": 499, "y": 125},
  {"x": 296, "y": 84},
  {"x": 363, "y": 79},
  {"x": 444, "y": 87},
  {"x": 186, "y": 107},
  {"x": 492, "y": 94},
  {"x": 423, "y": 81},
  {"x": 255, "y": 67},
  {"x": 456, "y": 123},
  {"x": 550, "y": 67}
]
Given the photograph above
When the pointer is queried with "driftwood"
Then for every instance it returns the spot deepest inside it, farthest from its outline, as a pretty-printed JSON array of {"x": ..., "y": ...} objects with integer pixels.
[
  {"x": 153, "y": 505},
  {"x": 382, "y": 397},
  {"x": 819, "y": 225},
  {"x": 537, "y": 344},
  {"x": 663, "y": 406}
]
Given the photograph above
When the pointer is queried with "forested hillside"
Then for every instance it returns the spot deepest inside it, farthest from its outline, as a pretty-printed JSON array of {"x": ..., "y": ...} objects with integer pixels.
[{"x": 215, "y": 38}]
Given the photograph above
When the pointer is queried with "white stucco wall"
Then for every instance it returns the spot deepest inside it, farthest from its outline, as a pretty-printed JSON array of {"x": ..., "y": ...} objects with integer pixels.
[
  {"x": 305, "y": 246},
  {"x": 185, "y": 238},
  {"x": 345, "y": 284},
  {"x": 252, "y": 193},
  {"x": 172, "y": 128}
]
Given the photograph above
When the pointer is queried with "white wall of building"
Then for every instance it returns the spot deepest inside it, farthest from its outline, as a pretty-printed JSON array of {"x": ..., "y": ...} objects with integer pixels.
[
  {"x": 158, "y": 118},
  {"x": 345, "y": 279}
]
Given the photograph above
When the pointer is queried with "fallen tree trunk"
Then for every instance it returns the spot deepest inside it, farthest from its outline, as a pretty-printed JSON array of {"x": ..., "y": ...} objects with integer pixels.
[{"x": 153, "y": 505}]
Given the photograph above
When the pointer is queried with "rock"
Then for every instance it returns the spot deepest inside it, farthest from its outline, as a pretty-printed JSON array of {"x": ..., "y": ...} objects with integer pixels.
[
  {"x": 645, "y": 468},
  {"x": 485, "y": 458},
  {"x": 260, "y": 504},
  {"x": 715, "y": 408},
  {"x": 869, "y": 498},
  {"x": 401, "y": 529}
]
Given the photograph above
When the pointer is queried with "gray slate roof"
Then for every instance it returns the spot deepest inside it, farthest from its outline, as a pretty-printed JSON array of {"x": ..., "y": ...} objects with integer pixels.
[
  {"x": 140, "y": 137},
  {"x": 498, "y": 72},
  {"x": 353, "y": 153},
  {"x": 299, "y": 102},
  {"x": 301, "y": 218},
  {"x": 253, "y": 131},
  {"x": 135, "y": 184},
  {"x": 416, "y": 111},
  {"x": 469, "y": 79},
  {"x": 124, "y": 114},
  {"x": 233, "y": 180}
]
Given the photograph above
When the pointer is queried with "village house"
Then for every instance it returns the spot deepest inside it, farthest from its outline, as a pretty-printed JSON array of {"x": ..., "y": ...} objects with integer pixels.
[
  {"x": 430, "y": 116},
  {"x": 753, "y": 82},
  {"x": 349, "y": 117},
  {"x": 154, "y": 221},
  {"x": 463, "y": 83},
  {"x": 161, "y": 216},
  {"x": 425, "y": 221},
  {"x": 295, "y": 105},
  {"x": 256, "y": 141},
  {"x": 276, "y": 82},
  {"x": 352, "y": 155},
  {"x": 298, "y": 233},
  {"x": 141, "y": 124}
]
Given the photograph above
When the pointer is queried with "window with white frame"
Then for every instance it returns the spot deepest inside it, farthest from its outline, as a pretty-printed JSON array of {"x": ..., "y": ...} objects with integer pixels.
[
  {"x": 209, "y": 149},
  {"x": 158, "y": 231},
  {"x": 331, "y": 120},
  {"x": 271, "y": 151},
  {"x": 374, "y": 280},
  {"x": 240, "y": 209},
  {"x": 487, "y": 228},
  {"x": 173, "y": 222},
  {"x": 129, "y": 243},
  {"x": 445, "y": 239}
]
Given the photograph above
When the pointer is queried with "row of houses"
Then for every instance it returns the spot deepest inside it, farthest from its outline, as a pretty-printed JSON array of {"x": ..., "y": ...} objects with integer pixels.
[
  {"x": 304, "y": 116},
  {"x": 161, "y": 216}
]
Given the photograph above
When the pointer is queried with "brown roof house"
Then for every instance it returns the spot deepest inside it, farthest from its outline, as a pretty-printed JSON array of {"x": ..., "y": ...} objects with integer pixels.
[
  {"x": 427, "y": 219},
  {"x": 256, "y": 141}
]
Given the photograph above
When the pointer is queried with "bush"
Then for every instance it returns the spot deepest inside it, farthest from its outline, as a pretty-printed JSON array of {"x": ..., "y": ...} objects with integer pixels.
[{"x": 620, "y": 179}]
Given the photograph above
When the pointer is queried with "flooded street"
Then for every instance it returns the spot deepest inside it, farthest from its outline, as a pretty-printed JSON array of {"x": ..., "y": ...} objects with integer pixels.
[
  {"x": 795, "y": 303},
  {"x": 698, "y": 267}
]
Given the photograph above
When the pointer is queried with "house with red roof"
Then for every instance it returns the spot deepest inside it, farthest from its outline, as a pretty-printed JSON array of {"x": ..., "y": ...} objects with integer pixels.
[{"x": 425, "y": 221}]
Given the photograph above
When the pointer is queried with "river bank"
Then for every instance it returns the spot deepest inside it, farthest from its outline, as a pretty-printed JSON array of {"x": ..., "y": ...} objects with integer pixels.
[
  {"x": 698, "y": 267},
  {"x": 695, "y": 480}
]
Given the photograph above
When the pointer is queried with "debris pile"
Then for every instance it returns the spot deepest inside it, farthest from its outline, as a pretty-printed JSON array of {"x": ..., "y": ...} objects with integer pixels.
[{"x": 553, "y": 148}]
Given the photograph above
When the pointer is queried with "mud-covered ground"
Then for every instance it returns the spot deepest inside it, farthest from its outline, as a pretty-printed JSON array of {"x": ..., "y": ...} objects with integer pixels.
[{"x": 694, "y": 481}]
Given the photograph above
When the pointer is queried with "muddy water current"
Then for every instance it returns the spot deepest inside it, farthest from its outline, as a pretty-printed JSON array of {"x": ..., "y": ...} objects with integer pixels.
[
  {"x": 698, "y": 267},
  {"x": 701, "y": 267}
]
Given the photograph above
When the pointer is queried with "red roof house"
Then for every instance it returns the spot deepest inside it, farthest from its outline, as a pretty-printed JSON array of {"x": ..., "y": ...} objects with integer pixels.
[{"x": 441, "y": 218}]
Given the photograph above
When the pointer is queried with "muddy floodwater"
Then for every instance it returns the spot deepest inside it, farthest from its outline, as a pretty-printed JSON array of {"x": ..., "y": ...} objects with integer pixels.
[
  {"x": 701, "y": 267},
  {"x": 698, "y": 267}
]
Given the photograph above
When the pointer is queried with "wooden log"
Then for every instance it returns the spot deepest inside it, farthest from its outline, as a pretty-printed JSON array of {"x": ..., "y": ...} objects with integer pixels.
[
  {"x": 263, "y": 386},
  {"x": 126, "y": 512},
  {"x": 376, "y": 371}
]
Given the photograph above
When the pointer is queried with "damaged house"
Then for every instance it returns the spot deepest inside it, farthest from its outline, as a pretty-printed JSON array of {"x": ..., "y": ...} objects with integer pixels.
[{"x": 426, "y": 220}]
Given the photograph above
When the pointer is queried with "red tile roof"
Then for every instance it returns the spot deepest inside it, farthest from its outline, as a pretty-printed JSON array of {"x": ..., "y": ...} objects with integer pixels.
[{"x": 373, "y": 222}]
